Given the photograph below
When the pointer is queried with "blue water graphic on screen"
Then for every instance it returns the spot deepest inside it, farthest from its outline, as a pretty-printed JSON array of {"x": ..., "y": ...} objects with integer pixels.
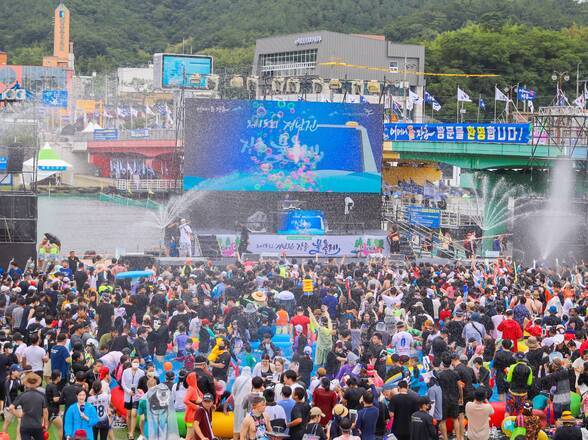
[
  {"x": 282, "y": 146},
  {"x": 186, "y": 71}
]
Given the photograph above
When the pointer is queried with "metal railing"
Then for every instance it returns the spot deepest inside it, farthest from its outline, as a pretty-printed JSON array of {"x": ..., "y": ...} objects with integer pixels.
[
  {"x": 148, "y": 185},
  {"x": 457, "y": 213}
]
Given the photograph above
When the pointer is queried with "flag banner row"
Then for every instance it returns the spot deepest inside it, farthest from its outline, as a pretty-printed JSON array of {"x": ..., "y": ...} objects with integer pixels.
[{"x": 488, "y": 133}]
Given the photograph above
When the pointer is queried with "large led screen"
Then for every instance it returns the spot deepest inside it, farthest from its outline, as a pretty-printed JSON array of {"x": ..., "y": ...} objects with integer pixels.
[{"x": 282, "y": 146}]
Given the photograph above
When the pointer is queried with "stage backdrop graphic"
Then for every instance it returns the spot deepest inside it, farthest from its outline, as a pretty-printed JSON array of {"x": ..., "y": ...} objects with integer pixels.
[{"x": 283, "y": 146}]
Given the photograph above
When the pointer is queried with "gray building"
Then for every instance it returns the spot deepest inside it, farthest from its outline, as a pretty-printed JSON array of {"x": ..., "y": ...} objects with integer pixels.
[{"x": 281, "y": 63}]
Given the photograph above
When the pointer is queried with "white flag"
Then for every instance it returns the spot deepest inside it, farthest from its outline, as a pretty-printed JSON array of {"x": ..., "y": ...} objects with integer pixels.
[
  {"x": 436, "y": 106},
  {"x": 531, "y": 106},
  {"x": 412, "y": 96},
  {"x": 499, "y": 96},
  {"x": 580, "y": 101},
  {"x": 462, "y": 96}
]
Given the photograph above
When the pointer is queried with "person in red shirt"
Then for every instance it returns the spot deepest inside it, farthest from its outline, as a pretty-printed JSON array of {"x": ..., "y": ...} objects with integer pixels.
[
  {"x": 510, "y": 329},
  {"x": 325, "y": 399},
  {"x": 299, "y": 319},
  {"x": 534, "y": 328},
  {"x": 203, "y": 419}
]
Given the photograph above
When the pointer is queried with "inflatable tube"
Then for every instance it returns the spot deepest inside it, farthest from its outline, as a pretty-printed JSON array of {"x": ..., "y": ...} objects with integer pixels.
[
  {"x": 509, "y": 423},
  {"x": 133, "y": 274},
  {"x": 575, "y": 404},
  {"x": 117, "y": 399},
  {"x": 222, "y": 424},
  {"x": 539, "y": 402},
  {"x": 498, "y": 416}
]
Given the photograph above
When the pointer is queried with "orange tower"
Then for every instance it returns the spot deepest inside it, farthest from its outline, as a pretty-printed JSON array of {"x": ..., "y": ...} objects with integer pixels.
[{"x": 62, "y": 48}]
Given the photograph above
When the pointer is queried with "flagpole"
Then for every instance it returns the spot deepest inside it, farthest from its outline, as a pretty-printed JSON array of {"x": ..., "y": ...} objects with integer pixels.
[
  {"x": 479, "y": 100},
  {"x": 457, "y": 106},
  {"x": 495, "y": 87}
]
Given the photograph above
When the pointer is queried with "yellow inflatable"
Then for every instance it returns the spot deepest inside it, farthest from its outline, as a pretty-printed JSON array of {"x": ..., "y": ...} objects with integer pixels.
[
  {"x": 222, "y": 425},
  {"x": 508, "y": 424},
  {"x": 522, "y": 346}
]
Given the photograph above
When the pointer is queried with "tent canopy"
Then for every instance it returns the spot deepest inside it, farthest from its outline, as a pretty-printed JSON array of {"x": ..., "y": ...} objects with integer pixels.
[{"x": 48, "y": 163}]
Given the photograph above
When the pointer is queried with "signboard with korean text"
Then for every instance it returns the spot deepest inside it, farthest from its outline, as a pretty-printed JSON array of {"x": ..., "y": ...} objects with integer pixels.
[{"x": 480, "y": 133}]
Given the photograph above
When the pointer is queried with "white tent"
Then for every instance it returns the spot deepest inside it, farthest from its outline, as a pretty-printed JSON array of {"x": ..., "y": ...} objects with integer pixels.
[
  {"x": 91, "y": 127},
  {"x": 48, "y": 163}
]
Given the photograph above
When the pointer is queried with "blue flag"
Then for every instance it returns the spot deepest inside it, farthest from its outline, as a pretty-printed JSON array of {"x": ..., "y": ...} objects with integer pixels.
[
  {"x": 428, "y": 98},
  {"x": 482, "y": 104}
]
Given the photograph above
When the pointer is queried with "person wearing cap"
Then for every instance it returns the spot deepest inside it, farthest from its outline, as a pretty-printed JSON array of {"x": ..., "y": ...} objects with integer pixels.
[
  {"x": 520, "y": 379},
  {"x": 31, "y": 408},
  {"x": 256, "y": 423},
  {"x": 185, "y": 238},
  {"x": 568, "y": 428},
  {"x": 552, "y": 319},
  {"x": 422, "y": 425},
  {"x": 203, "y": 418},
  {"x": 11, "y": 388},
  {"x": 314, "y": 427}
]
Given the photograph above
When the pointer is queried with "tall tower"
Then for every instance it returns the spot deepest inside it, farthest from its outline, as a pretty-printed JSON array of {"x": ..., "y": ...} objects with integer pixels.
[
  {"x": 62, "y": 48},
  {"x": 61, "y": 33}
]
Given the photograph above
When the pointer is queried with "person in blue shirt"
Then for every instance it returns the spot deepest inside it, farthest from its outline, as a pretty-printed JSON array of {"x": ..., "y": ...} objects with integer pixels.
[
  {"x": 367, "y": 418},
  {"x": 287, "y": 402},
  {"x": 331, "y": 301},
  {"x": 81, "y": 416},
  {"x": 61, "y": 359}
]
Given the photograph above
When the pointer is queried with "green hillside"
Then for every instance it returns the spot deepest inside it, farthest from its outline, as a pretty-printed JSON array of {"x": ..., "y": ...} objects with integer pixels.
[{"x": 109, "y": 33}]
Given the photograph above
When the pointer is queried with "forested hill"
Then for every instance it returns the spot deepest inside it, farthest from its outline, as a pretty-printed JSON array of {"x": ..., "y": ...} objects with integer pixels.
[{"x": 109, "y": 33}]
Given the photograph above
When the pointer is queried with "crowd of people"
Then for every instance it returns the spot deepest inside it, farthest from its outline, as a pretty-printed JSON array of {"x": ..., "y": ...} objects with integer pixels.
[{"x": 293, "y": 348}]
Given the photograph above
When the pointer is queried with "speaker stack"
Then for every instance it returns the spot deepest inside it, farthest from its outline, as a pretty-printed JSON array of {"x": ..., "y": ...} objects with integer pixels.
[{"x": 18, "y": 211}]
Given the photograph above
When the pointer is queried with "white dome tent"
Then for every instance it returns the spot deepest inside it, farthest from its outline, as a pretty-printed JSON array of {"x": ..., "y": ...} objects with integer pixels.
[{"x": 48, "y": 163}]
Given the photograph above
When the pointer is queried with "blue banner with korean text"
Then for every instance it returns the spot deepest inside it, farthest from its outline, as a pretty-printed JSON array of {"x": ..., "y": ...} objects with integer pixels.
[
  {"x": 487, "y": 133},
  {"x": 427, "y": 217}
]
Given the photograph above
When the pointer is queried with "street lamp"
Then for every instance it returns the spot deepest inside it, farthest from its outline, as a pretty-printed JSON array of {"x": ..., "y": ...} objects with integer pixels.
[{"x": 559, "y": 78}]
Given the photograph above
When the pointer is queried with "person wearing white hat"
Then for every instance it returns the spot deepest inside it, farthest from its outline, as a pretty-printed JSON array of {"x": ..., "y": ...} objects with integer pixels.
[{"x": 185, "y": 238}]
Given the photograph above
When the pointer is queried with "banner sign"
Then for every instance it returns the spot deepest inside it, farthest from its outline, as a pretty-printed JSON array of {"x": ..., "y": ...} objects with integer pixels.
[
  {"x": 525, "y": 94},
  {"x": 322, "y": 246},
  {"x": 3, "y": 163},
  {"x": 139, "y": 133},
  {"x": 427, "y": 217},
  {"x": 106, "y": 134},
  {"x": 55, "y": 98},
  {"x": 481, "y": 133},
  {"x": 228, "y": 244}
]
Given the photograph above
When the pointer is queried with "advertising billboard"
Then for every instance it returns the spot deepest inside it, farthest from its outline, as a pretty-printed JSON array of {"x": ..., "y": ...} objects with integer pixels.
[
  {"x": 283, "y": 146},
  {"x": 173, "y": 71}
]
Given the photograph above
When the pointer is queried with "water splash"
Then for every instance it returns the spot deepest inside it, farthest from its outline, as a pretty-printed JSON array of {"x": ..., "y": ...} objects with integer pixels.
[
  {"x": 170, "y": 212},
  {"x": 492, "y": 209},
  {"x": 557, "y": 219}
]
